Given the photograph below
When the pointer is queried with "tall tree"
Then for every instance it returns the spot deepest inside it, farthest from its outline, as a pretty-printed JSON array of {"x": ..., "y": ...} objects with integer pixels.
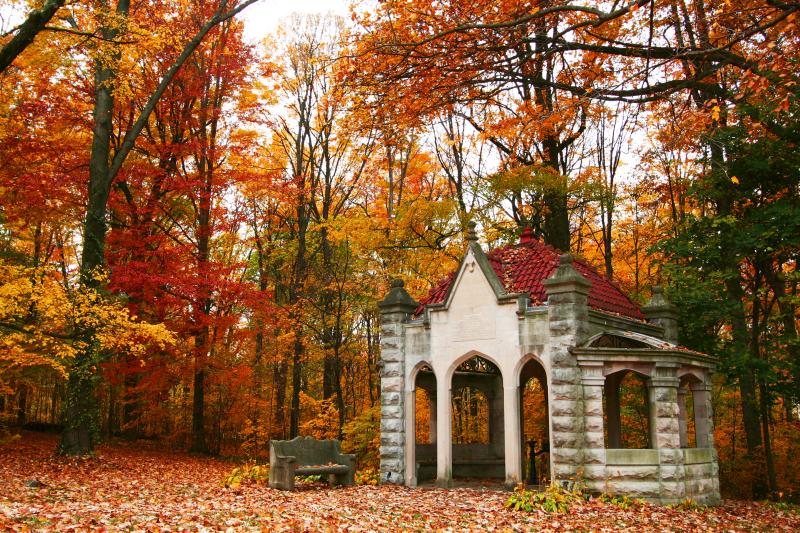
[{"x": 80, "y": 410}]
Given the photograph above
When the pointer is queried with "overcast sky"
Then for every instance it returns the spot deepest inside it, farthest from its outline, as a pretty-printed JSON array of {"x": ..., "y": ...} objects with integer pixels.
[{"x": 263, "y": 17}]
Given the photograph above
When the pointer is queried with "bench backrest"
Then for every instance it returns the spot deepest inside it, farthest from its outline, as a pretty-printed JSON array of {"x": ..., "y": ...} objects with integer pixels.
[{"x": 307, "y": 450}]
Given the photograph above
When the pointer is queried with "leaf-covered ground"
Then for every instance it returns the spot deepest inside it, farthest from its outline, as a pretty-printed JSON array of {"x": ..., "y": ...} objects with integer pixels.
[{"x": 137, "y": 487}]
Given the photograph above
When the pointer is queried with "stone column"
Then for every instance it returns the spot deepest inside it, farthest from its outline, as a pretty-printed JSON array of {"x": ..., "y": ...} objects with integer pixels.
[
  {"x": 682, "y": 425},
  {"x": 660, "y": 311},
  {"x": 444, "y": 434},
  {"x": 395, "y": 309},
  {"x": 612, "y": 384},
  {"x": 594, "y": 454},
  {"x": 703, "y": 421},
  {"x": 512, "y": 437},
  {"x": 704, "y": 426},
  {"x": 496, "y": 417},
  {"x": 665, "y": 431},
  {"x": 568, "y": 317},
  {"x": 410, "y": 459},
  {"x": 432, "y": 413}
]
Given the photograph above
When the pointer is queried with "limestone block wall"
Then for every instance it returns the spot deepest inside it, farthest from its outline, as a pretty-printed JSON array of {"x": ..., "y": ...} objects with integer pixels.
[
  {"x": 645, "y": 474},
  {"x": 534, "y": 331},
  {"x": 594, "y": 453},
  {"x": 633, "y": 473},
  {"x": 567, "y": 293},
  {"x": 665, "y": 430},
  {"x": 702, "y": 474},
  {"x": 392, "y": 404},
  {"x": 667, "y": 473},
  {"x": 395, "y": 308}
]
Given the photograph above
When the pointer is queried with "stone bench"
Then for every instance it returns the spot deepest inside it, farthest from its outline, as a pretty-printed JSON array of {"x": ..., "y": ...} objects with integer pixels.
[
  {"x": 306, "y": 456},
  {"x": 482, "y": 467}
]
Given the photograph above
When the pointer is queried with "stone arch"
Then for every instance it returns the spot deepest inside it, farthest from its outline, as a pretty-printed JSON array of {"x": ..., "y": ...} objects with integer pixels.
[
  {"x": 689, "y": 372},
  {"x": 466, "y": 357},
  {"x": 695, "y": 421},
  {"x": 411, "y": 382},
  {"x": 524, "y": 360},
  {"x": 478, "y": 459},
  {"x": 532, "y": 381},
  {"x": 420, "y": 457},
  {"x": 643, "y": 369},
  {"x": 613, "y": 405}
]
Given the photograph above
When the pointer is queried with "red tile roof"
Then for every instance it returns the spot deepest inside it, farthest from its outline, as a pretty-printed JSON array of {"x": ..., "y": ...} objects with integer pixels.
[{"x": 523, "y": 267}]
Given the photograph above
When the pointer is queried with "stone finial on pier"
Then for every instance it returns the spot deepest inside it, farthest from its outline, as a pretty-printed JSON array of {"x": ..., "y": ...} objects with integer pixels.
[{"x": 659, "y": 310}]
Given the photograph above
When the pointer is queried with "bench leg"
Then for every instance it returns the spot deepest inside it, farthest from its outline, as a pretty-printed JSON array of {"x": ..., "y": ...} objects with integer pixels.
[
  {"x": 345, "y": 480},
  {"x": 281, "y": 478}
]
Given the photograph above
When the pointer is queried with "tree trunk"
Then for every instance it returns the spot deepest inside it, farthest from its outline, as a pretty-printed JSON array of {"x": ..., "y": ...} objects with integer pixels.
[
  {"x": 297, "y": 367},
  {"x": 556, "y": 224},
  {"x": 765, "y": 410},
  {"x": 788, "y": 311},
  {"x": 279, "y": 375},
  {"x": 130, "y": 406},
  {"x": 81, "y": 412},
  {"x": 198, "y": 414},
  {"x": 22, "y": 405}
]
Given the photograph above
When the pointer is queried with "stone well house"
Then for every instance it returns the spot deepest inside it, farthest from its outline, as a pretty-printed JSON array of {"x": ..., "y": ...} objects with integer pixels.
[{"x": 525, "y": 312}]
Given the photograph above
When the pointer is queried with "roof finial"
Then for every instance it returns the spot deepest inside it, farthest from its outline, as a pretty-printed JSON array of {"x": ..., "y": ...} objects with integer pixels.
[
  {"x": 527, "y": 235},
  {"x": 472, "y": 234}
]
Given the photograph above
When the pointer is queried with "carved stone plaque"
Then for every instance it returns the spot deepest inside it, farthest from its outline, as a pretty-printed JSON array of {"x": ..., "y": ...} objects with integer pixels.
[{"x": 476, "y": 326}]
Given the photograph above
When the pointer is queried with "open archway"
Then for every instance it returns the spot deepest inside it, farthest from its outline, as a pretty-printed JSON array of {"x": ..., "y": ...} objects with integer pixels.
[
  {"x": 626, "y": 398},
  {"x": 693, "y": 412},
  {"x": 535, "y": 424},
  {"x": 478, "y": 445},
  {"x": 422, "y": 442}
]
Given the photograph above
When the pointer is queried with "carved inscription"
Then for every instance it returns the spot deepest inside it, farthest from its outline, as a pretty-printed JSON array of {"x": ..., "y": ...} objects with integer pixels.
[{"x": 476, "y": 326}]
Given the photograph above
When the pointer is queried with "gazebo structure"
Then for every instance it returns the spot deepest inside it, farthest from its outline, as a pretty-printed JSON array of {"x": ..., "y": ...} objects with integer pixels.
[{"x": 523, "y": 312}]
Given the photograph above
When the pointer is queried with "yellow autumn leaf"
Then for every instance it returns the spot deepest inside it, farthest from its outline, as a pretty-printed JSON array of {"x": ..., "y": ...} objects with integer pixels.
[{"x": 735, "y": 180}]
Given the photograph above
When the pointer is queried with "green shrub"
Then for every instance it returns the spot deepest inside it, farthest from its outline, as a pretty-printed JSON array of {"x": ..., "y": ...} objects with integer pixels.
[
  {"x": 621, "y": 501},
  {"x": 687, "y": 504},
  {"x": 247, "y": 473},
  {"x": 783, "y": 506},
  {"x": 554, "y": 499}
]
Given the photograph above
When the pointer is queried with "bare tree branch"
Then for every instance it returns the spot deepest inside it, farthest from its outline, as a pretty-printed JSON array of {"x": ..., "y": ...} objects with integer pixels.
[{"x": 27, "y": 31}]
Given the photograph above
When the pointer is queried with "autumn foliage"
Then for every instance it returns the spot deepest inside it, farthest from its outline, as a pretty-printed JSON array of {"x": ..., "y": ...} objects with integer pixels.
[
  {"x": 137, "y": 486},
  {"x": 195, "y": 229}
]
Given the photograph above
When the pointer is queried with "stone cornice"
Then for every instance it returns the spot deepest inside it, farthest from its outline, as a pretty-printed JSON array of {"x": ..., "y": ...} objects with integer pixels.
[
  {"x": 643, "y": 355},
  {"x": 604, "y": 318}
]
